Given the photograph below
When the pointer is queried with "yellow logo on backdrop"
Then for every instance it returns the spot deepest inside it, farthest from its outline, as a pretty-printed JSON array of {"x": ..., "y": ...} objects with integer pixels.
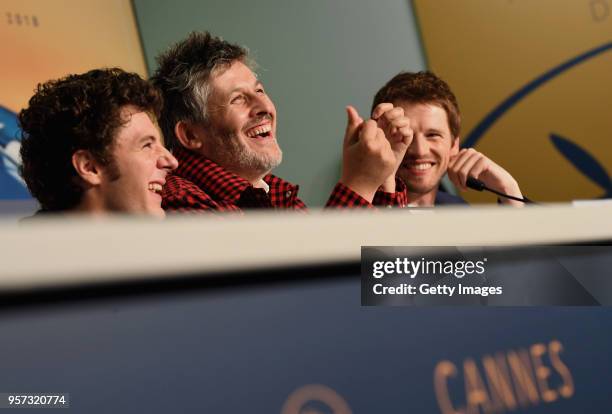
[
  {"x": 505, "y": 381},
  {"x": 534, "y": 94}
]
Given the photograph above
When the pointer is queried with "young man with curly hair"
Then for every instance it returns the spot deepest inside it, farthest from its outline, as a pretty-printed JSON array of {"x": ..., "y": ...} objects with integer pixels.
[
  {"x": 434, "y": 151},
  {"x": 221, "y": 125},
  {"x": 91, "y": 144}
]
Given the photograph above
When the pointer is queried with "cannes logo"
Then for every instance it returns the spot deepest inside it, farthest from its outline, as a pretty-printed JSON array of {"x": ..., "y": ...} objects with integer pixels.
[
  {"x": 511, "y": 380},
  {"x": 315, "y": 399},
  {"x": 580, "y": 158}
]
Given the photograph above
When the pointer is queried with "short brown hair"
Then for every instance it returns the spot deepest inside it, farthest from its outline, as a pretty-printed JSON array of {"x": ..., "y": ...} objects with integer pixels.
[{"x": 424, "y": 88}]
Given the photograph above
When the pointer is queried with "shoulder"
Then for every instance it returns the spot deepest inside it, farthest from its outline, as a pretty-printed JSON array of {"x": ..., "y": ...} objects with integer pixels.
[
  {"x": 175, "y": 185},
  {"x": 180, "y": 194}
]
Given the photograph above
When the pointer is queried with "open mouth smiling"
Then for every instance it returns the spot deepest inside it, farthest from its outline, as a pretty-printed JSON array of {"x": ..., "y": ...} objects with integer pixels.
[
  {"x": 418, "y": 166},
  {"x": 156, "y": 188},
  {"x": 259, "y": 131}
]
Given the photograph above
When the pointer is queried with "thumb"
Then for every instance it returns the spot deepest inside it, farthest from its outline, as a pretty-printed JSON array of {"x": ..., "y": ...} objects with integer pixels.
[{"x": 353, "y": 123}]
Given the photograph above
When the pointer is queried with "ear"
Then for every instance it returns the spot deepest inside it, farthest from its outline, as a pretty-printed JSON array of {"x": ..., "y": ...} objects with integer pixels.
[
  {"x": 189, "y": 136},
  {"x": 87, "y": 167},
  {"x": 454, "y": 150}
]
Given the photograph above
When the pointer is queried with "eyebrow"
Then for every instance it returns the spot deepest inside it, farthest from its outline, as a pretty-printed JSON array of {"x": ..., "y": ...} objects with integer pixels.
[
  {"x": 241, "y": 87},
  {"x": 147, "y": 138}
]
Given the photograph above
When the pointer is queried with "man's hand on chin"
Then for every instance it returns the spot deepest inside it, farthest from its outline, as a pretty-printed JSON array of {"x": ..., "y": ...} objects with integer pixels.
[
  {"x": 367, "y": 157},
  {"x": 471, "y": 163}
]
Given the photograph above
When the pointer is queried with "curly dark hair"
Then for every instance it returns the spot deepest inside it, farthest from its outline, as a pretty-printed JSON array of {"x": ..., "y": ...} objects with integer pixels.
[
  {"x": 183, "y": 75},
  {"x": 425, "y": 88},
  {"x": 77, "y": 112}
]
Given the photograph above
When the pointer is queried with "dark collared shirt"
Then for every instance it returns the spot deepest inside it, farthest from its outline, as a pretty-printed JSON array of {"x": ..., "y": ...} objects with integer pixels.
[
  {"x": 444, "y": 198},
  {"x": 199, "y": 184}
]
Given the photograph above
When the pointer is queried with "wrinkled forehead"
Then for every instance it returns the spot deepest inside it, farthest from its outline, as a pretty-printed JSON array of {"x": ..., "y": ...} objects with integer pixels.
[
  {"x": 231, "y": 77},
  {"x": 221, "y": 67}
]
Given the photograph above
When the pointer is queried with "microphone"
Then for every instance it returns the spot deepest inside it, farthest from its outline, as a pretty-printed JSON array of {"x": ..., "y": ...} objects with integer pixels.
[
  {"x": 478, "y": 185},
  {"x": 474, "y": 184}
]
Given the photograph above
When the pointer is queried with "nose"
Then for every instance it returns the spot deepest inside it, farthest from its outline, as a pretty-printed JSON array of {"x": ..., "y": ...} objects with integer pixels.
[
  {"x": 262, "y": 105},
  {"x": 419, "y": 147},
  {"x": 166, "y": 160}
]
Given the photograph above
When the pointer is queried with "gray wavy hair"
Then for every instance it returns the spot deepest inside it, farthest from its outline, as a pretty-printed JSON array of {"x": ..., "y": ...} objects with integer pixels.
[{"x": 183, "y": 77}]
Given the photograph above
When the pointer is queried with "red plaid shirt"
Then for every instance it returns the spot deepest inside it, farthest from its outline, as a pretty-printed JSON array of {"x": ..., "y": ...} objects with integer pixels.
[{"x": 200, "y": 184}]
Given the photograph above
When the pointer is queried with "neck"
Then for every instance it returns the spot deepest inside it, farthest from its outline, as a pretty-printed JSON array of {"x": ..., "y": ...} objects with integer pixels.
[
  {"x": 90, "y": 204},
  {"x": 423, "y": 200},
  {"x": 256, "y": 180}
]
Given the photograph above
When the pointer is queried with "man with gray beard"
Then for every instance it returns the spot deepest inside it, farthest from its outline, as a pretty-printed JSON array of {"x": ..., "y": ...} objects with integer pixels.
[{"x": 221, "y": 126}]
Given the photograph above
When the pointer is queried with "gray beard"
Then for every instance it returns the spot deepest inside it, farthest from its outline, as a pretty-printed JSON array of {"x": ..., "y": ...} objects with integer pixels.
[{"x": 226, "y": 149}]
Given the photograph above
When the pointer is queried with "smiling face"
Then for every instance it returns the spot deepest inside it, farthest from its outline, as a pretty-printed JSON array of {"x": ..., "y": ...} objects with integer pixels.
[
  {"x": 134, "y": 180},
  {"x": 427, "y": 158},
  {"x": 241, "y": 135}
]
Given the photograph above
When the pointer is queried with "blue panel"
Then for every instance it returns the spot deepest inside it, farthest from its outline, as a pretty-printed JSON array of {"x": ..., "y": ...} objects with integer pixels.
[{"x": 244, "y": 349}]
